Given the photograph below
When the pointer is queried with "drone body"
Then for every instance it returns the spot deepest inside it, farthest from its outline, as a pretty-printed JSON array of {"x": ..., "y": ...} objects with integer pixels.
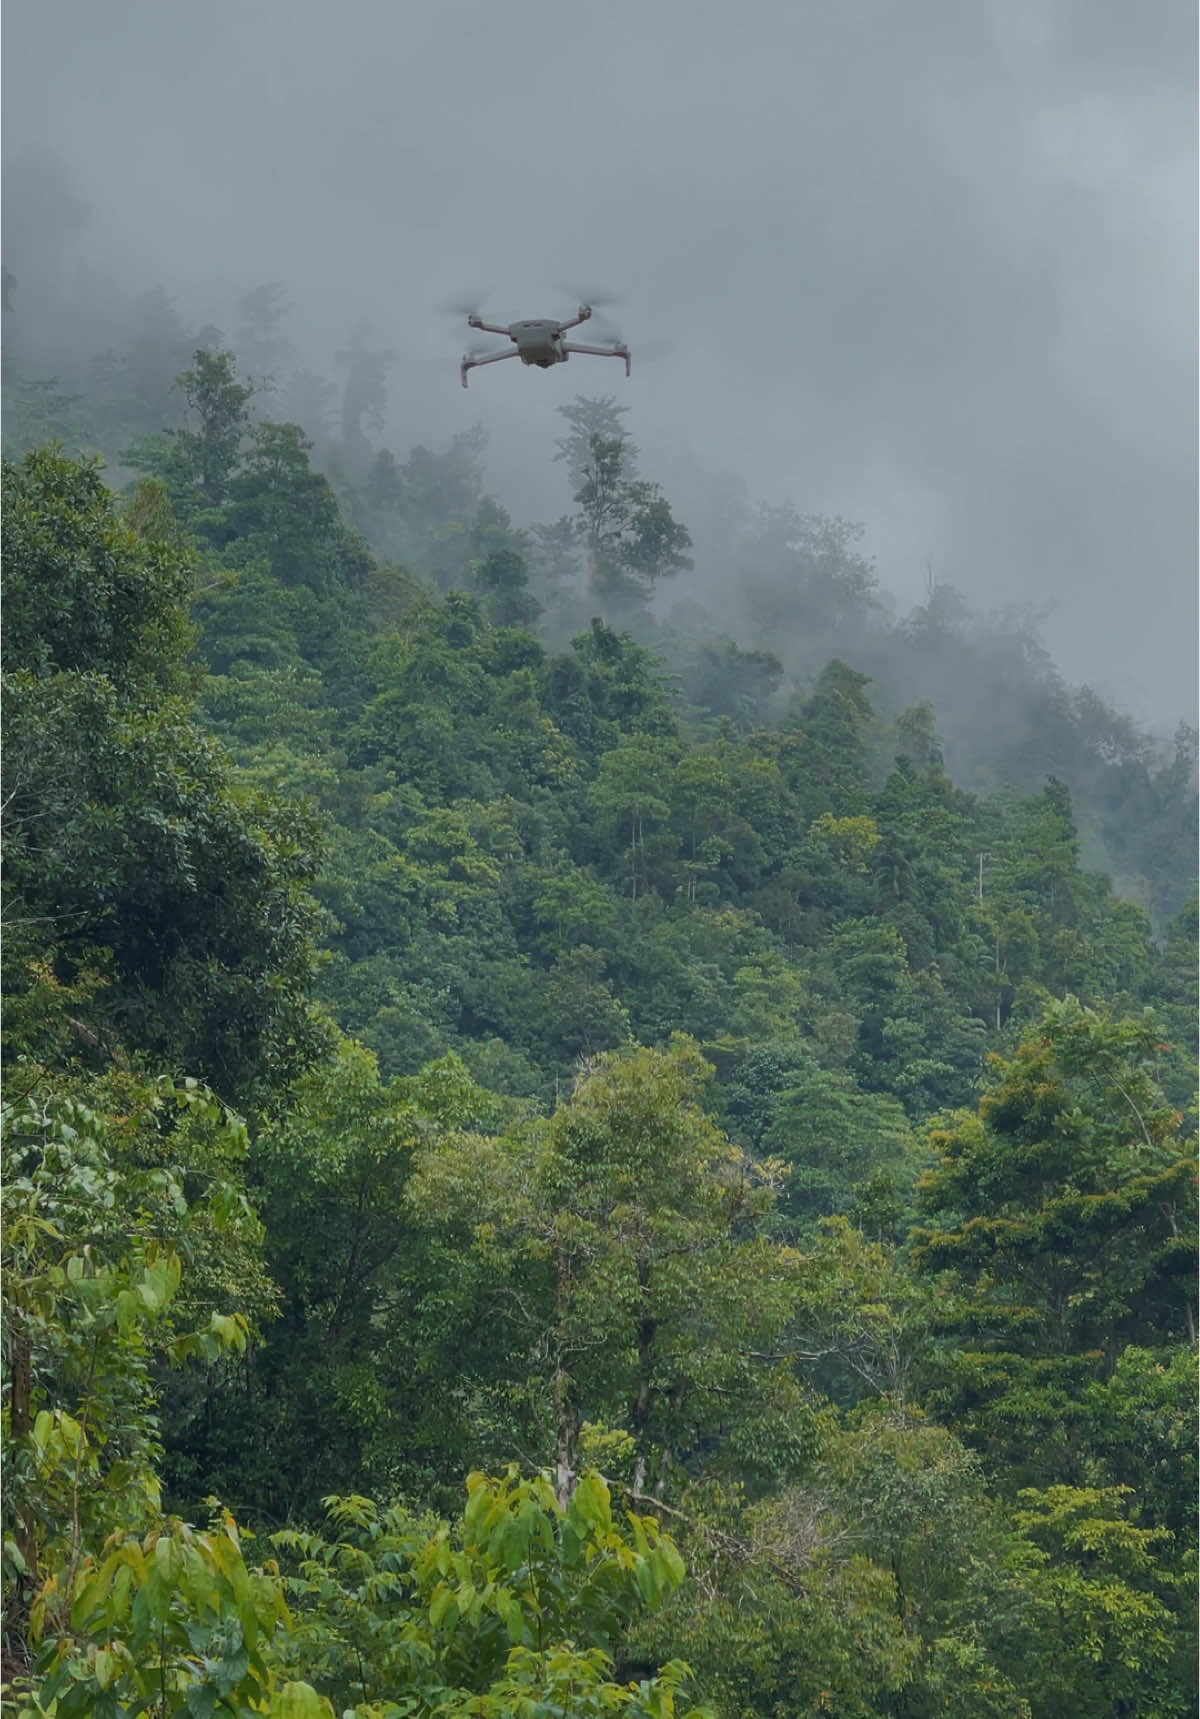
[{"x": 539, "y": 341}]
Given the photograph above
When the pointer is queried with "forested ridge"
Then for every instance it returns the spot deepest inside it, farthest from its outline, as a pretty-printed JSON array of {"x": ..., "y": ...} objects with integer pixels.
[{"x": 567, "y": 1150}]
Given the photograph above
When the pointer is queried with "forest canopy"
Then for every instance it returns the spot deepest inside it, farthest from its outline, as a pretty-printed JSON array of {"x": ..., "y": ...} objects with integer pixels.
[{"x": 560, "y": 1155}]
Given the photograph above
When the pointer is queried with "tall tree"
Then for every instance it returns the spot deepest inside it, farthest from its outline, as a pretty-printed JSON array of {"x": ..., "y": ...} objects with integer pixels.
[
  {"x": 1065, "y": 1208},
  {"x": 364, "y": 392},
  {"x": 285, "y": 509},
  {"x": 631, "y": 536},
  {"x": 264, "y": 350},
  {"x": 650, "y": 1300},
  {"x": 132, "y": 854},
  {"x": 220, "y": 406}
]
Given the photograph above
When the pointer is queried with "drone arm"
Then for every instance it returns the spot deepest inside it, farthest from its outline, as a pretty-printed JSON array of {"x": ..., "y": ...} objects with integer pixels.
[
  {"x": 492, "y": 358},
  {"x": 601, "y": 352},
  {"x": 488, "y": 327},
  {"x": 585, "y": 310}
]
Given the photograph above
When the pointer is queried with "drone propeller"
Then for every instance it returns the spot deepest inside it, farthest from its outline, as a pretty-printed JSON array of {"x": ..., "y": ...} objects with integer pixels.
[
  {"x": 650, "y": 350},
  {"x": 464, "y": 303},
  {"x": 644, "y": 351},
  {"x": 598, "y": 298},
  {"x": 606, "y": 329}
]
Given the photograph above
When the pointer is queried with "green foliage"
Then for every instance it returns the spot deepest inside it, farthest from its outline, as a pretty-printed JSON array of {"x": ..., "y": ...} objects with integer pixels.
[
  {"x": 283, "y": 510},
  {"x": 843, "y": 1146},
  {"x": 83, "y": 593},
  {"x": 1071, "y": 1193},
  {"x": 401, "y": 1616},
  {"x": 131, "y": 855},
  {"x": 94, "y": 1241},
  {"x": 128, "y": 837},
  {"x": 933, "y": 1470},
  {"x": 364, "y": 393},
  {"x": 1096, "y": 1635},
  {"x": 171, "y": 1623},
  {"x": 1139, "y": 1424},
  {"x": 220, "y": 405},
  {"x": 865, "y": 1320},
  {"x": 504, "y": 576},
  {"x": 782, "y": 1615},
  {"x": 632, "y": 538},
  {"x": 647, "y": 1287},
  {"x": 726, "y": 681}
]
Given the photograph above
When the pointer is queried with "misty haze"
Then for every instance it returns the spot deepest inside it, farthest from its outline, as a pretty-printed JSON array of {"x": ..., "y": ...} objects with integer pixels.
[
  {"x": 600, "y": 953},
  {"x": 929, "y": 268}
]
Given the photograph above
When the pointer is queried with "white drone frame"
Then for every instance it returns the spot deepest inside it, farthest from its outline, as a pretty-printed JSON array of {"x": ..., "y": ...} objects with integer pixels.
[{"x": 540, "y": 342}]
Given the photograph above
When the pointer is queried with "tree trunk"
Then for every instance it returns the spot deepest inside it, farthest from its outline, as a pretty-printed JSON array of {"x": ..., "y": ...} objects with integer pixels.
[
  {"x": 20, "y": 1420},
  {"x": 565, "y": 1418},
  {"x": 639, "y": 1413},
  {"x": 564, "y": 1438}
]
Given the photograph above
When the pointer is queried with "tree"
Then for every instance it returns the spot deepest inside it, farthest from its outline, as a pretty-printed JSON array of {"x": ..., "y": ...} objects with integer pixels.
[
  {"x": 112, "y": 1606},
  {"x": 364, "y": 393},
  {"x": 843, "y": 1146},
  {"x": 282, "y": 507},
  {"x": 604, "y": 687},
  {"x": 829, "y": 748},
  {"x": 915, "y": 1501},
  {"x": 221, "y": 405},
  {"x": 864, "y": 1320},
  {"x": 572, "y": 908},
  {"x": 726, "y": 680},
  {"x": 334, "y": 1163},
  {"x": 1065, "y": 1210},
  {"x": 83, "y": 593},
  {"x": 132, "y": 854},
  {"x": 627, "y": 800},
  {"x": 131, "y": 849},
  {"x": 589, "y": 418},
  {"x": 702, "y": 813},
  {"x": 93, "y": 1248},
  {"x": 504, "y": 577},
  {"x": 648, "y": 1289},
  {"x": 169, "y": 1622},
  {"x": 631, "y": 535},
  {"x": 1097, "y": 1630},
  {"x": 39, "y": 410},
  {"x": 138, "y": 383},
  {"x": 263, "y": 348},
  {"x": 516, "y": 1607},
  {"x": 582, "y": 1015},
  {"x": 783, "y": 1613},
  {"x": 804, "y": 586}
]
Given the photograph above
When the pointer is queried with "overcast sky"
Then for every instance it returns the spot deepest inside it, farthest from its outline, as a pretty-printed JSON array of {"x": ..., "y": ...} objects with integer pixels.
[{"x": 930, "y": 265}]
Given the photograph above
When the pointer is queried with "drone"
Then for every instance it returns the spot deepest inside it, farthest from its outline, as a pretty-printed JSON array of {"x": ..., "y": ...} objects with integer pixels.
[{"x": 539, "y": 342}]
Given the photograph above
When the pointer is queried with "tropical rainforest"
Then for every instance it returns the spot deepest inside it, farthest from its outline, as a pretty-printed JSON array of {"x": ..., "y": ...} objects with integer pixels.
[{"x": 573, "y": 1144}]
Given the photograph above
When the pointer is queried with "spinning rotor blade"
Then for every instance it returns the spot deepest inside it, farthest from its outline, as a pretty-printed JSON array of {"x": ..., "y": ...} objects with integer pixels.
[
  {"x": 597, "y": 297},
  {"x": 649, "y": 350},
  {"x": 464, "y": 303},
  {"x": 645, "y": 351}
]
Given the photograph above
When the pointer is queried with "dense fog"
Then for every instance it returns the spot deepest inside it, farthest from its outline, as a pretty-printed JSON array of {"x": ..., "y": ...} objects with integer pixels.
[{"x": 930, "y": 269}]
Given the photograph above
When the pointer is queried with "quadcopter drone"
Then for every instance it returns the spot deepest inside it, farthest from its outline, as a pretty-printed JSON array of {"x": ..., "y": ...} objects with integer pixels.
[{"x": 540, "y": 342}]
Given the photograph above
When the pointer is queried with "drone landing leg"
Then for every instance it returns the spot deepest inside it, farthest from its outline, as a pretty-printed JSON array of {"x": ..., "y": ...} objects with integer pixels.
[
  {"x": 474, "y": 363},
  {"x": 600, "y": 352}
]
